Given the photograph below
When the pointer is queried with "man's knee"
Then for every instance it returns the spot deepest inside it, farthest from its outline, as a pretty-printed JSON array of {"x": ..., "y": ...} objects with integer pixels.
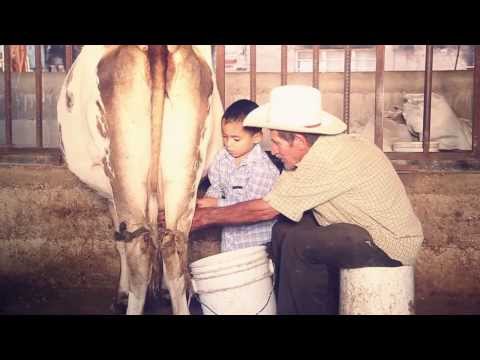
[
  {"x": 364, "y": 251},
  {"x": 351, "y": 233}
]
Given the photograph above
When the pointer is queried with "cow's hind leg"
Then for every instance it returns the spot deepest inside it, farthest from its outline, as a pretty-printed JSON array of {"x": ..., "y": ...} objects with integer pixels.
[
  {"x": 189, "y": 87},
  {"x": 139, "y": 260},
  {"x": 174, "y": 266},
  {"x": 120, "y": 303},
  {"x": 125, "y": 89}
]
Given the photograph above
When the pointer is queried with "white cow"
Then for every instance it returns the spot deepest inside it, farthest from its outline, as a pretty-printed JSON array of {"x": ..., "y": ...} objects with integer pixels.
[{"x": 140, "y": 124}]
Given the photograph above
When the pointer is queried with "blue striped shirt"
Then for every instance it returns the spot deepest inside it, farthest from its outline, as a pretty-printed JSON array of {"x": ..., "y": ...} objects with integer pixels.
[{"x": 252, "y": 179}]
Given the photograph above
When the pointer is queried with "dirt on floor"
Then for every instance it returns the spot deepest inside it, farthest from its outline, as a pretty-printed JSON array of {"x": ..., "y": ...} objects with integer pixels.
[
  {"x": 24, "y": 299},
  {"x": 27, "y": 299}
]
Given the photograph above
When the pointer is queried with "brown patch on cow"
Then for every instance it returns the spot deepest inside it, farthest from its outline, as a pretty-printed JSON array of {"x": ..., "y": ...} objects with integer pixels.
[
  {"x": 157, "y": 57},
  {"x": 206, "y": 79},
  {"x": 69, "y": 94},
  {"x": 101, "y": 127},
  {"x": 69, "y": 100},
  {"x": 106, "y": 168},
  {"x": 102, "y": 124},
  {"x": 191, "y": 59},
  {"x": 68, "y": 80},
  {"x": 62, "y": 146},
  {"x": 115, "y": 69}
]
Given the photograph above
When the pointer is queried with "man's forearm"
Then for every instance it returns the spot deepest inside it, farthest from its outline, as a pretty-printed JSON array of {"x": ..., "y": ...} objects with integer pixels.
[{"x": 242, "y": 213}]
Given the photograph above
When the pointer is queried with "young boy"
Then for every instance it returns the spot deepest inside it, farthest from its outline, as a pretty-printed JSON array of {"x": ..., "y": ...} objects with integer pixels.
[{"x": 241, "y": 171}]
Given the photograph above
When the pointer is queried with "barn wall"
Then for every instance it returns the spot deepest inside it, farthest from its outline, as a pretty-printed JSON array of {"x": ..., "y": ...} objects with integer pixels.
[
  {"x": 456, "y": 86},
  {"x": 56, "y": 231}
]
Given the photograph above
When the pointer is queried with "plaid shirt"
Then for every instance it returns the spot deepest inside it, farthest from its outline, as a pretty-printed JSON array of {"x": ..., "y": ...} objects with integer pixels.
[
  {"x": 346, "y": 179},
  {"x": 252, "y": 179}
]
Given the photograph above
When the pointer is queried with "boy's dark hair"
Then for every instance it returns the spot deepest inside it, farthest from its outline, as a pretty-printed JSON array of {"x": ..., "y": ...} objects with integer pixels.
[{"x": 238, "y": 111}]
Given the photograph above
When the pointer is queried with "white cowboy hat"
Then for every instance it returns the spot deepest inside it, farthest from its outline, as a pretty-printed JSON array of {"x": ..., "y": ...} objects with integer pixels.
[{"x": 295, "y": 108}]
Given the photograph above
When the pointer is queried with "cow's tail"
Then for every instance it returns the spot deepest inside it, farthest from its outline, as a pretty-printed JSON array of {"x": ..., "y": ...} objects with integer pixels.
[{"x": 157, "y": 56}]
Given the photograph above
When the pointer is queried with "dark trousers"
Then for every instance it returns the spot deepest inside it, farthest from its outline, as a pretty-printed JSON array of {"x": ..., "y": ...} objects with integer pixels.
[{"x": 308, "y": 259}]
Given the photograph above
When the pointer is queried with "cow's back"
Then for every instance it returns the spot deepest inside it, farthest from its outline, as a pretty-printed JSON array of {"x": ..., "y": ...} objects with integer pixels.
[{"x": 79, "y": 112}]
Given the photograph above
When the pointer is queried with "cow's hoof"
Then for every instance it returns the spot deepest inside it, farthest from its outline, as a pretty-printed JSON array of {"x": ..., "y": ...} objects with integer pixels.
[
  {"x": 120, "y": 304},
  {"x": 118, "y": 308},
  {"x": 165, "y": 297}
]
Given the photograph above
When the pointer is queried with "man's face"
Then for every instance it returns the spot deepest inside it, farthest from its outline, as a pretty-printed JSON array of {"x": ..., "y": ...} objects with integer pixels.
[{"x": 289, "y": 154}]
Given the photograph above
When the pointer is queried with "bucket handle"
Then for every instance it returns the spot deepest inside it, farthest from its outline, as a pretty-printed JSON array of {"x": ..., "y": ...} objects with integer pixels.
[{"x": 271, "y": 268}]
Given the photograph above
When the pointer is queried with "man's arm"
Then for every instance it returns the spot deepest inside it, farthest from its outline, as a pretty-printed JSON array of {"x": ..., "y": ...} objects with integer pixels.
[{"x": 241, "y": 213}]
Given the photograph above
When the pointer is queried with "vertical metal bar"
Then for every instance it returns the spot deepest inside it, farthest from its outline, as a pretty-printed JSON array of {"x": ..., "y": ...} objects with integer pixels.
[
  {"x": 476, "y": 104},
  {"x": 8, "y": 96},
  {"x": 346, "y": 86},
  {"x": 427, "y": 96},
  {"x": 68, "y": 57},
  {"x": 284, "y": 65},
  {"x": 379, "y": 94},
  {"x": 315, "y": 66},
  {"x": 220, "y": 70},
  {"x": 253, "y": 73},
  {"x": 38, "y": 96}
]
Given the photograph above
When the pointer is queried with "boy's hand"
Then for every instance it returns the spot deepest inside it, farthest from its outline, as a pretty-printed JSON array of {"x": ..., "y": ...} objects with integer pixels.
[{"x": 207, "y": 202}]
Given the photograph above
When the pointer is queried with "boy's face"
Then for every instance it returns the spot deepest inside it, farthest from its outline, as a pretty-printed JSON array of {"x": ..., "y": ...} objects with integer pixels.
[{"x": 237, "y": 141}]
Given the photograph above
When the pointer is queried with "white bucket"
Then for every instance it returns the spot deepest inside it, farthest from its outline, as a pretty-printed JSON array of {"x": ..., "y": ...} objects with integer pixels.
[
  {"x": 236, "y": 282},
  {"x": 377, "y": 291}
]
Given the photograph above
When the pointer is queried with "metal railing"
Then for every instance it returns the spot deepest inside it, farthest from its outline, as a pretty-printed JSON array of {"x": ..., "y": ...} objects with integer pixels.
[{"x": 426, "y": 157}]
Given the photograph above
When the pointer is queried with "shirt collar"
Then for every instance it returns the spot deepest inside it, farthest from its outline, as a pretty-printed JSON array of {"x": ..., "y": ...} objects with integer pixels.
[{"x": 319, "y": 149}]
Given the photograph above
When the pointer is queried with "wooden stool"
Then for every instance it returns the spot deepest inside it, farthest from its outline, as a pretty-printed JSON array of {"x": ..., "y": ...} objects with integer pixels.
[{"x": 377, "y": 291}]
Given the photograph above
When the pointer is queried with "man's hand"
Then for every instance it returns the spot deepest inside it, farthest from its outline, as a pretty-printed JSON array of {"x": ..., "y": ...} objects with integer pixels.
[
  {"x": 198, "y": 221},
  {"x": 207, "y": 202}
]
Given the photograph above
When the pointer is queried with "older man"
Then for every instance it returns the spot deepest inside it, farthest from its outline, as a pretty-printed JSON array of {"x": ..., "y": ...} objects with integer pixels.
[{"x": 341, "y": 202}]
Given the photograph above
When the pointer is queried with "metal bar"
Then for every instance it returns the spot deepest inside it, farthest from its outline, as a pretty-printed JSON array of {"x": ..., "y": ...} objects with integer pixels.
[
  {"x": 454, "y": 155},
  {"x": 379, "y": 94},
  {"x": 315, "y": 66},
  {"x": 427, "y": 96},
  {"x": 444, "y": 166},
  {"x": 38, "y": 96},
  {"x": 31, "y": 155},
  {"x": 284, "y": 65},
  {"x": 346, "y": 86},
  {"x": 220, "y": 70},
  {"x": 8, "y": 96},
  {"x": 253, "y": 73},
  {"x": 68, "y": 57},
  {"x": 476, "y": 104}
]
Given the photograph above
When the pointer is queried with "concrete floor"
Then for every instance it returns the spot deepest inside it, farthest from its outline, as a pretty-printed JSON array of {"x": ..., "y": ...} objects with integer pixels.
[
  {"x": 21, "y": 298},
  {"x": 24, "y": 300}
]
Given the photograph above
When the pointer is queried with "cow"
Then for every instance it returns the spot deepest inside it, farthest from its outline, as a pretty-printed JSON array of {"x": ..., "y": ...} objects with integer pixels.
[{"x": 140, "y": 124}]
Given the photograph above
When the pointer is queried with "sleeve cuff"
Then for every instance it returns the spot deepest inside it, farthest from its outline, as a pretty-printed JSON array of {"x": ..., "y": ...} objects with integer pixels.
[{"x": 282, "y": 207}]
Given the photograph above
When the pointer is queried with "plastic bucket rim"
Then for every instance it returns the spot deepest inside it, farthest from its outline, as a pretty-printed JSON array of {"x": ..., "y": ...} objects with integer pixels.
[
  {"x": 225, "y": 256},
  {"x": 258, "y": 278},
  {"x": 224, "y": 266},
  {"x": 230, "y": 270}
]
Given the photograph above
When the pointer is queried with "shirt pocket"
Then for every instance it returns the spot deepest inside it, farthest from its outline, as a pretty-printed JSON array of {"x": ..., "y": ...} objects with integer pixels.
[{"x": 237, "y": 188}]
